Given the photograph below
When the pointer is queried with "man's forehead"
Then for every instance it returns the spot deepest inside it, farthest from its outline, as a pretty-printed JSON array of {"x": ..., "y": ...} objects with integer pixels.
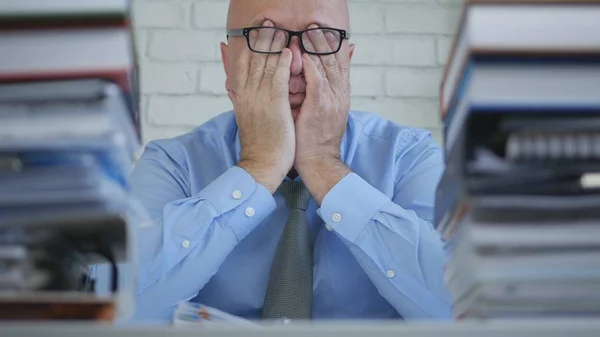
[{"x": 290, "y": 14}]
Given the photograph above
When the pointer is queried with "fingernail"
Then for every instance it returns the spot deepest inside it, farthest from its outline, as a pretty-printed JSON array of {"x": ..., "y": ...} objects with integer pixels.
[
  {"x": 313, "y": 26},
  {"x": 267, "y": 23}
]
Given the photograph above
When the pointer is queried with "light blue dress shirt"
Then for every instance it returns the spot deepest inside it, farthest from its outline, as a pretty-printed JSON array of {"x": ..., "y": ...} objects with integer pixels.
[{"x": 214, "y": 230}]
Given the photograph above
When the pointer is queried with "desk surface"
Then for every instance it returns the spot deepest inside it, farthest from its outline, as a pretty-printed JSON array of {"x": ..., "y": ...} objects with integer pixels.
[{"x": 503, "y": 328}]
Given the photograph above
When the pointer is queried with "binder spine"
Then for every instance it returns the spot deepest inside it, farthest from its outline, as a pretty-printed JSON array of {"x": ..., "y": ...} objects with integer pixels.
[{"x": 553, "y": 147}]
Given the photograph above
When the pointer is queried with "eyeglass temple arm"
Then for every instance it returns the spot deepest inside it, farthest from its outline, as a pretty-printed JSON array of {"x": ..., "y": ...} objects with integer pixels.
[{"x": 235, "y": 32}]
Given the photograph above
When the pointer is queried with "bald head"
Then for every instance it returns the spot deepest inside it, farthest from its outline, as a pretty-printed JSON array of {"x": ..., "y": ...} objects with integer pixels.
[{"x": 289, "y": 14}]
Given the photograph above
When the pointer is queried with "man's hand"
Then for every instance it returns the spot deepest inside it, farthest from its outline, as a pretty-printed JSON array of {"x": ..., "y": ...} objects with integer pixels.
[
  {"x": 262, "y": 110},
  {"x": 321, "y": 123}
]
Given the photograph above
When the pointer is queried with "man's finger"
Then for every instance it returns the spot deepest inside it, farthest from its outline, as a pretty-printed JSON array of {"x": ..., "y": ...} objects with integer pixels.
[
  {"x": 316, "y": 60},
  {"x": 321, "y": 44},
  {"x": 261, "y": 43},
  {"x": 253, "y": 37},
  {"x": 315, "y": 81},
  {"x": 232, "y": 96},
  {"x": 242, "y": 67},
  {"x": 281, "y": 78},
  {"x": 333, "y": 38},
  {"x": 279, "y": 41}
]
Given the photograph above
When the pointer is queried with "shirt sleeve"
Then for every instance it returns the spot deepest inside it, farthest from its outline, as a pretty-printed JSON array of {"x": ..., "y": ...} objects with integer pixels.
[
  {"x": 393, "y": 238},
  {"x": 187, "y": 237}
]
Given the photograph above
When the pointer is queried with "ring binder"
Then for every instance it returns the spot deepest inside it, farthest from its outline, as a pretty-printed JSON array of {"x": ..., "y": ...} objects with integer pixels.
[{"x": 558, "y": 147}]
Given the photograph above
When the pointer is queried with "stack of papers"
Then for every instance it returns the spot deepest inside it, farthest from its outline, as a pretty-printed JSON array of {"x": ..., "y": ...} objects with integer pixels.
[
  {"x": 501, "y": 267},
  {"x": 196, "y": 314},
  {"x": 69, "y": 135},
  {"x": 517, "y": 206}
]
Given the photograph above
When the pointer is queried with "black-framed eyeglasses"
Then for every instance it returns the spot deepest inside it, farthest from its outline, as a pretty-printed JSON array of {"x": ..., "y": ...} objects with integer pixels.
[{"x": 272, "y": 40}]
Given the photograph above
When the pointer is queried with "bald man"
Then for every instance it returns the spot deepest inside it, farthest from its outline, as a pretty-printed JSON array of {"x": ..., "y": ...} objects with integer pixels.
[{"x": 214, "y": 199}]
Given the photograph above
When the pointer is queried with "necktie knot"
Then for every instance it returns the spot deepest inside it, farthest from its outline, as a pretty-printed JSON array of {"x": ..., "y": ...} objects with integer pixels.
[{"x": 295, "y": 193}]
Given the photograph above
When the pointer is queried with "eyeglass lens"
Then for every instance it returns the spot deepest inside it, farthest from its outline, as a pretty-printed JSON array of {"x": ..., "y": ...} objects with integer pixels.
[{"x": 273, "y": 40}]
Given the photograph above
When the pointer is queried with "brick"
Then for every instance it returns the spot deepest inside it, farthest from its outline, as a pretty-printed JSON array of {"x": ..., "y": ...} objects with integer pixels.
[
  {"x": 169, "y": 78},
  {"x": 415, "y": 51},
  {"x": 409, "y": 112},
  {"x": 212, "y": 79},
  {"x": 151, "y": 132},
  {"x": 143, "y": 106},
  {"x": 421, "y": 19},
  {"x": 370, "y": 50},
  {"x": 210, "y": 14},
  {"x": 401, "y": 51},
  {"x": 186, "y": 110},
  {"x": 455, "y": 3},
  {"x": 438, "y": 135},
  {"x": 403, "y": 82},
  {"x": 444, "y": 45},
  {"x": 366, "y": 18},
  {"x": 387, "y": 2},
  {"x": 164, "y": 14},
  {"x": 185, "y": 45},
  {"x": 366, "y": 81},
  {"x": 140, "y": 37}
]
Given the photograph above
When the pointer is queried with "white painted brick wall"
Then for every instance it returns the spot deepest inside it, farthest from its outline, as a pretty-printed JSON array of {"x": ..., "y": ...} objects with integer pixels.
[{"x": 401, "y": 49}]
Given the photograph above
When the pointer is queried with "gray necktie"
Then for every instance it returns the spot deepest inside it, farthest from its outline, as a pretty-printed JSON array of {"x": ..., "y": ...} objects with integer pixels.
[{"x": 289, "y": 293}]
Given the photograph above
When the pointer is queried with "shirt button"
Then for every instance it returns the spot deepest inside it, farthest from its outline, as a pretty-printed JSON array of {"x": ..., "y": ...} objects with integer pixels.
[
  {"x": 185, "y": 243},
  {"x": 249, "y": 212},
  {"x": 328, "y": 227},
  {"x": 390, "y": 273},
  {"x": 237, "y": 194},
  {"x": 336, "y": 217}
]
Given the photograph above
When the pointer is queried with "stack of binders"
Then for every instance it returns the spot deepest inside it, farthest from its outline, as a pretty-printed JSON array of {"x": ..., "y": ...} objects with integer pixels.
[
  {"x": 518, "y": 205},
  {"x": 69, "y": 135}
]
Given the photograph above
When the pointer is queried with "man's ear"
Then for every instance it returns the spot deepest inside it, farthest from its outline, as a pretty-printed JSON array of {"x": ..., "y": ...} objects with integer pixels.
[
  {"x": 225, "y": 60},
  {"x": 351, "y": 51}
]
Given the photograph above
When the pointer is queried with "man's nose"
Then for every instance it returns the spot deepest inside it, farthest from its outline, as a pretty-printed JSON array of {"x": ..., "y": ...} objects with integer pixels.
[{"x": 296, "y": 48}]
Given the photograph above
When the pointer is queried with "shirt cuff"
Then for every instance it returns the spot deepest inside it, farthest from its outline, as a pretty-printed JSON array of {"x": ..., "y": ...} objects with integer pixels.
[
  {"x": 350, "y": 205},
  {"x": 240, "y": 200}
]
